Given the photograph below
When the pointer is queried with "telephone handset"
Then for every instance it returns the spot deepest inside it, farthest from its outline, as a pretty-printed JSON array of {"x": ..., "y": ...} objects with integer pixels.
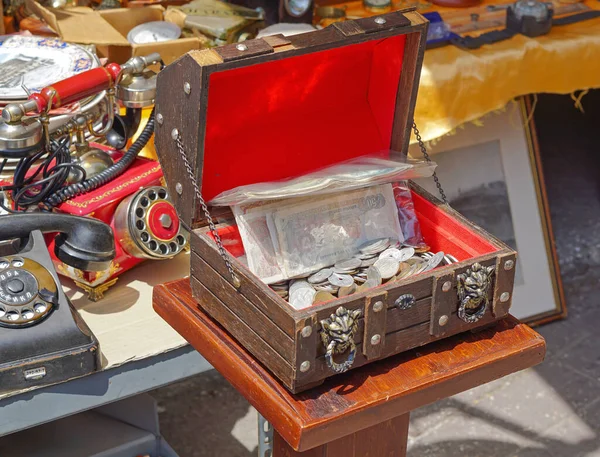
[{"x": 42, "y": 337}]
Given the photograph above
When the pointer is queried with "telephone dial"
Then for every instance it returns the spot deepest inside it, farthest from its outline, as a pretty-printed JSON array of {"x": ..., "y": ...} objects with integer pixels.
[
  {"x": 63, "y": 168},
  {"x": 43, "y": 340}
]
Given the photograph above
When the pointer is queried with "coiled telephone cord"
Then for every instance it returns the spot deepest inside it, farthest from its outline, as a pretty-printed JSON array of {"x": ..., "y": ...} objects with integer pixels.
[{"x": 87, "y": 185}]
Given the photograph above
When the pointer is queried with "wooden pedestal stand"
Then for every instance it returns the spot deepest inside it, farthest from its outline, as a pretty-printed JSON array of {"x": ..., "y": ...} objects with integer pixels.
[{"x": 365, "y": 412}]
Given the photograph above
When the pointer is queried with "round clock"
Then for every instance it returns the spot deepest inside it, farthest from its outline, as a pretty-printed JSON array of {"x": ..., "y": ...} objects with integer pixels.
[
  {"x": 153, "y": 32},
  {"x": 297, "y": 8},
  {"x": 377, "y": 4}
]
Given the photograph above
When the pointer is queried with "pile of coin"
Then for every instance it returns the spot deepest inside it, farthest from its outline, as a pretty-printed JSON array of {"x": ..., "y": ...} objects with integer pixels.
[{"x": 377, "y": 262}]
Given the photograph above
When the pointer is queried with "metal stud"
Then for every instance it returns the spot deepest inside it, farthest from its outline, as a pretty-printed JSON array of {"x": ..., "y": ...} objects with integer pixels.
[
  {"x": 443, "y": 320},
  {"x": 504, "y": 297},
  {"x": 376, "y": 339},
  {"x": 509, "y": 265},
  {"x": 159, "y": 118},
  {"x": 306, "y": 331},
  {"x": 380, "y": 20},
  {"x": 174, "y": 134},
  {"x": 378, "y": 306},
  {"x": 446, "y": 286},
  {"x": 241, "y": 47},
  {"x": 187, "y": 88},
  {"x": 179, "y": 188},
  {"x": 305, "y": 366}
]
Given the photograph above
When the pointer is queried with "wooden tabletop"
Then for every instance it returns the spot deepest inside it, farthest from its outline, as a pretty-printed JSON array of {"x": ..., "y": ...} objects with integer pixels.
[{"x": 360, "y": 398}]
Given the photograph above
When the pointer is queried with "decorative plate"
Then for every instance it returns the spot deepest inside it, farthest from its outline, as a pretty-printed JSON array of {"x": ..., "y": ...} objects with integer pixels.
[{"x": 30, "y": 63}]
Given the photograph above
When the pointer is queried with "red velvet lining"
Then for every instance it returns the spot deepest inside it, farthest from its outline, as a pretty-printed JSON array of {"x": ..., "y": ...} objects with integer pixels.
[
  {"x": 443, "y": 233},
  {"x": 286, "y": 118},
  {"x": 440, "y": 231}
]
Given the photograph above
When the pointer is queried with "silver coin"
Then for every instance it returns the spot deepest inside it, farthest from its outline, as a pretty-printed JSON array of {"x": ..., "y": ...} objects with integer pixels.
[
  {"x": 401, "y": 255},
  {"x": 406, "y": 253},
  {"x": 434, "y": 261},
  {"x": 416, "y": 267},
  {"x": 303, "y": 297},
  {"x": 368, "y": 262},
  {"x": 299, "y": 284},
  {"x": 369, "y": 283},
  {"x": 394, "y": 253},
  {"x": 339, "y": 280},
  {"x": 345, "y": 272},
  {"x": 348, "y": 264},
  {"x": 327, "y": 288},
  {"x": 320, "y": 276},
  {"x": 387, "y": 266},
  {"x": 362, "y": 256},
  {"x": 374, "y": 274},
  {"x": 452, "y": 258},
  {"x": 375, "y": 246}
]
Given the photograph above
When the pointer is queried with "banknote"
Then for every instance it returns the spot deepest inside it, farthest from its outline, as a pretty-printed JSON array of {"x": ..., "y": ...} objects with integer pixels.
[
  {"x": 259, "y": 246},
  {"x": 315, "y": 233}
]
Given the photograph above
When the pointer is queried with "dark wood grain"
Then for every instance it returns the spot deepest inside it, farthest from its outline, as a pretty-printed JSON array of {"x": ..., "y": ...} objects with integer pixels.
[
  {"x": 348, "y": 28},
  {"x": 363, "y": 397},
  {"x": 375, "y": 324},
  {"x": 245, "y": 334},
  {"x": 188, "y": 124},
  {"x": 244, "y": 310},
  {"x": 307, "y": 347},
  {"x": 257, "y": 292},
  {"x": 505, "y": 279},
  {"x": 444, "y": 303},
  {"x": 409, "y": 84},
  {"x": 249, "y": 48}
]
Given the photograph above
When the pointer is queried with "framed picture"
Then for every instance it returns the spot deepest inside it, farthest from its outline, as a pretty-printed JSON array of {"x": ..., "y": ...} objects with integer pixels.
[{"x": 491, "y": 173}]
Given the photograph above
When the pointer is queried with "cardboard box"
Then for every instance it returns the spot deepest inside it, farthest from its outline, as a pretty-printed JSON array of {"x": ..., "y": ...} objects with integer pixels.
[{"x": 108, "y": 29}]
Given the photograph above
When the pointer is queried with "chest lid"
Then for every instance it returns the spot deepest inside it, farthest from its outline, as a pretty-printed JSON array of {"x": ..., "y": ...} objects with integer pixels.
[{"x": 280, "y": 107}]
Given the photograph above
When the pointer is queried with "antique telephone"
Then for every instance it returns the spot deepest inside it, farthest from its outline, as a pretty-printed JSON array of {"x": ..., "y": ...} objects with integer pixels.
[
  {"x": 42, "y": 337},
  {"x": 59, "y": 168},
  {"x": 25, "y": 133}
]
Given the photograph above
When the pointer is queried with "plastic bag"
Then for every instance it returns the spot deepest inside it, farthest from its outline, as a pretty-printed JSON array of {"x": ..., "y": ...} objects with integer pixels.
[
  {"x": 355, "y": 174},
  {"x": 409, "y": 223},
  {"x": 298, "y": 236}
]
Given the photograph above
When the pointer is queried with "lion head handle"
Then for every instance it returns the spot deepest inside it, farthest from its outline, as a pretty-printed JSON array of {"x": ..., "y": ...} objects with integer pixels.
[
  {"x": 473, "y": 286},
  {"x": 339, "y": 329},
  {"x": 337, "y": 334}
]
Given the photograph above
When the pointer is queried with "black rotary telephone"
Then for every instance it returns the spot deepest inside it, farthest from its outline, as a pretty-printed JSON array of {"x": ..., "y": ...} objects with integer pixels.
[{"x": 43, "y": 340}]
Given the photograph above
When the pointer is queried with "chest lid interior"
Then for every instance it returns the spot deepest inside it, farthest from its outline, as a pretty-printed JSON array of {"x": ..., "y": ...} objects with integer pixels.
[{"x": 280, "y": 107}]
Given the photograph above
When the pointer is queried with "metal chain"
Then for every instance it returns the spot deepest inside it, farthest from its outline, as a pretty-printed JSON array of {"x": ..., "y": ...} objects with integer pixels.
[
  {"x": 177, "y": 137},
  {"x": 236, "y": 281},
  {"x": 428, "y": 159}
]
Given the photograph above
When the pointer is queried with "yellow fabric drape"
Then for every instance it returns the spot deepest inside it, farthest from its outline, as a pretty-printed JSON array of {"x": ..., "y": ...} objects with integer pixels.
[{"x": 459, "y": 86}]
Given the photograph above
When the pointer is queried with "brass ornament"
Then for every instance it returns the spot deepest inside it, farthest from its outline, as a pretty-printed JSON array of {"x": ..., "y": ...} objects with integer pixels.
[
  {"x": 337, "y": 335},
  {"x": 473, "y": 286}
]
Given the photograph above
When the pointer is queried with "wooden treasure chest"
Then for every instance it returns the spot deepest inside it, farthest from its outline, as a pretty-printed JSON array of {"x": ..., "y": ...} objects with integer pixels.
[{"x": 269, "y": 109}]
